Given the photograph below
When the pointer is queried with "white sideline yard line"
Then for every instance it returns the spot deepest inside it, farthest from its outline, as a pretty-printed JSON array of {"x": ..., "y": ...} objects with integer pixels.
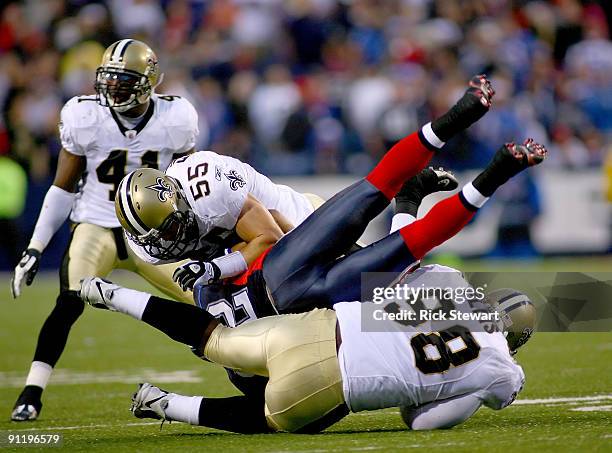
[
  {"x": 575, "y": 399},
  {"x": 67, "y": 428},
  {"x": 68, "y": 377},
  {"x": 603, "y": 408}
]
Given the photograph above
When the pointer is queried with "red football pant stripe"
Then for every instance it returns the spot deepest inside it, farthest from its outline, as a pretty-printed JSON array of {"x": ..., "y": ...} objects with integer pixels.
[
  {"x": 403, "y": 161},
  {"x": 445, "y": 219}
]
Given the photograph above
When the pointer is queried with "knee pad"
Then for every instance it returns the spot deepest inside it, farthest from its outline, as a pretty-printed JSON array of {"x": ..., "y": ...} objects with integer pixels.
[{"x": 69, "y": 306}]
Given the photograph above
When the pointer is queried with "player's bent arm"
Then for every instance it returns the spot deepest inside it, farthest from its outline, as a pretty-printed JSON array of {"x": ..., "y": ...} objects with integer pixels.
[
  {"x": 54, "y": 212},
  {"x": 58, "y": 201},
  {"x": 441, "y": 414},
  {"x": 257, "y": 227},
  {"x": 282, "y": 221}
]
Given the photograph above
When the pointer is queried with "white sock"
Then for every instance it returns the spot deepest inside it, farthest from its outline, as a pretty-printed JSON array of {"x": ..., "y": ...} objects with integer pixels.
[
  {"x": 184, "y": 409},
  {"x": 39, "y": 374},
  {"x": 130, "y": 302},
  {"x": 473, "y": 196},
  {"x": 401, "y": 220}
]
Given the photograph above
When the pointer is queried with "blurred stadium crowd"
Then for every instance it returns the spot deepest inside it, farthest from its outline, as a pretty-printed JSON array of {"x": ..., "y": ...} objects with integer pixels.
[
  {"x": 319, "y": 86},
  {"x": 322, "y": 86}
]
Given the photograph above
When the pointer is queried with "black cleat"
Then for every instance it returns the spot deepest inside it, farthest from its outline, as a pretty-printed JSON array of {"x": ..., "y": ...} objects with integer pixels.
[
  {"x": 470, "y": 108},
  {"x": 508, "y": 161},
  {"x": 529, "y": 154},
  {"x": 26, "y": 411},
  {"x": 428, "y": 181},
  {"x": 28, "y": 404}
]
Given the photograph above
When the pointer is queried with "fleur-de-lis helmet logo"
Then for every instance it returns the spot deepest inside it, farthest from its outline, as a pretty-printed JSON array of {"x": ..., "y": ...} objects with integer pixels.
[{"x": 164, "y": 189}]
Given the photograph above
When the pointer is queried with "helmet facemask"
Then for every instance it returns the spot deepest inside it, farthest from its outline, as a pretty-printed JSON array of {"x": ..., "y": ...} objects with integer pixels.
[
  {"x": 121, "y": 89},
  {"x": 177, "y": 236}
]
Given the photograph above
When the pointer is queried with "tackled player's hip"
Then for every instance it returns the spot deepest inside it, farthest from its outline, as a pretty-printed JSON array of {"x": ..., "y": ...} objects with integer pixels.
[{"x": 299, "y": 353}]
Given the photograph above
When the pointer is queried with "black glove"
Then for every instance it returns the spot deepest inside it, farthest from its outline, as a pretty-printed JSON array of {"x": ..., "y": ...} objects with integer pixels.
[
  {"x": 27, "y": 267},
  {"x": 187, "y": 274}
]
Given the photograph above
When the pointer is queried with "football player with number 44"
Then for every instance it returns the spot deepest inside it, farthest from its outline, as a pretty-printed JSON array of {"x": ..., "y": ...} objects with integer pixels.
[{"x": 123, "y": 127}]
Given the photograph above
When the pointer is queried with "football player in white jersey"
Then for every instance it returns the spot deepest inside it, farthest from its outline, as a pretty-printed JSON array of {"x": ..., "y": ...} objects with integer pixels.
[
  {"x": 203, "y": 204},
  {"x": 314, "y": 378},
  {"x": 123, "y": 127},
  {"x": 323, "y": 364}
]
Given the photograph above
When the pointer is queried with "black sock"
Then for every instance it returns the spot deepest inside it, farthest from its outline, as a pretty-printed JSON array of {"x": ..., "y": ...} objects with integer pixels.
[
  {"x": 183, "y": 323},
  {"x": 502, "y": 167},
  {"x": 238, "y": 414},
  {"x": 462, "y": 115}
]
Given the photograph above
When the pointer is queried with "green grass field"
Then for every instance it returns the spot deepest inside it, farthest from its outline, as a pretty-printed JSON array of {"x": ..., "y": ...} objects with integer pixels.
[{"x": 565, "y": 406}]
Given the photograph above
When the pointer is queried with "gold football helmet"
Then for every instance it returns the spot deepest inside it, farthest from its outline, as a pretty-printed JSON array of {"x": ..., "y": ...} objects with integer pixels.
[
  {"x": 153, "y": 212},
  {"x": 127, "y": 76},
  {"x": 517, "y": 315}
]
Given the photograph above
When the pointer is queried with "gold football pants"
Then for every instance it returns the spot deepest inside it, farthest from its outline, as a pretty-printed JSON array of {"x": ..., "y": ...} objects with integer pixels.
[
  {"x": 297, "y": 352},
  {"x": 93, "y": 250}
]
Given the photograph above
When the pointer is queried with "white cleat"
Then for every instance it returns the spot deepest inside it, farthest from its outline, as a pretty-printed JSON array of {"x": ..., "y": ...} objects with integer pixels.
[
  {"x": 151, "y": 402},
  {"x": 98, "y": 292},
  {"x": 24, "y": 413}
]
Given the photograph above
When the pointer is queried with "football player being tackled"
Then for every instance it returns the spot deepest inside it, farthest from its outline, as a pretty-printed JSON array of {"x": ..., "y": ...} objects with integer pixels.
[
  {"x": 320, "y": 364},
  {"x": 123, "y": 127}
]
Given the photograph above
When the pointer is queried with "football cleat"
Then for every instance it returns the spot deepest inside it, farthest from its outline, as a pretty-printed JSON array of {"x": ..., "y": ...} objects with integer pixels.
[
  {"x": 444, "y": 181},
  {"x": 511, "y": 158},
  {"x": 528, "y": 154},
  {"x": 151, "y": 402},
  {"x": 26, "y": 412},
  {"x": 472, "y": 106},
  {"x": 98, "y": 292},
  {"x": 481, "y": 88},
  {"x": 428, "y": 181}
]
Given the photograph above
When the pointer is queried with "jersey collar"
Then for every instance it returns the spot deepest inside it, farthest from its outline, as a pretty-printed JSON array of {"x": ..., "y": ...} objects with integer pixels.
[{"x": 140, "y": 126}]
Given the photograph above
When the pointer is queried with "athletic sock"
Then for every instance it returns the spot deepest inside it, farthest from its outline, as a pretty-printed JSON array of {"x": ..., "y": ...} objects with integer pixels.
[
  {"x": 400, "y": 220},
  {"x": 462, "y": 115},
  {"x": 443, "y": 221},
  {"x": 502, "y": 167},
  {"x": 184, "y": 409},
  {"x": 404, "y": 160},
  {"x": 184, "y": 323},
  {"x": 129, "y": 301},
  {"x": 238, "y": 414},
  {"x": 39, "y": 375}
]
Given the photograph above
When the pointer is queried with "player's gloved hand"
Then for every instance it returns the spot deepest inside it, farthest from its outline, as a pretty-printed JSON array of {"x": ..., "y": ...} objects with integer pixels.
[
  {"x": 204, "y": 272},
  {"x": 26, "y": 268}
]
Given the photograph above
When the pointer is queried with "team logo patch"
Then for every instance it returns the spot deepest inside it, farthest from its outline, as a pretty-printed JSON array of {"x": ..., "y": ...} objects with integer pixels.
[
  {"x": 235, "y": 180},
  {"x": 163, "y": 189}
]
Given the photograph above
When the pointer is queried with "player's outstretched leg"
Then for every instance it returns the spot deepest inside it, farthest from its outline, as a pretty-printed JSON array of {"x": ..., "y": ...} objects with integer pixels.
[
  {"x": 331, "y": 230},
  {"x": 238, "y": 414},
  {"x": 341, "y": 280},
  {"x": 51, "y": 342}
]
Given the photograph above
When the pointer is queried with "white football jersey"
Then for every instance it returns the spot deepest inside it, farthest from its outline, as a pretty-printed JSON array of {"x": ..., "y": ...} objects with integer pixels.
[
  {"x": 392, "y": 367},
  {"x": 217, "y": 186},
  {"x": 168, "y": 129}
]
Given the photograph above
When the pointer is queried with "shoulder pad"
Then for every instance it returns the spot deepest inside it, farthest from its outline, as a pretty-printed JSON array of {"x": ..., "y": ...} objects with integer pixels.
[{"x": 81, "y": 111}]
